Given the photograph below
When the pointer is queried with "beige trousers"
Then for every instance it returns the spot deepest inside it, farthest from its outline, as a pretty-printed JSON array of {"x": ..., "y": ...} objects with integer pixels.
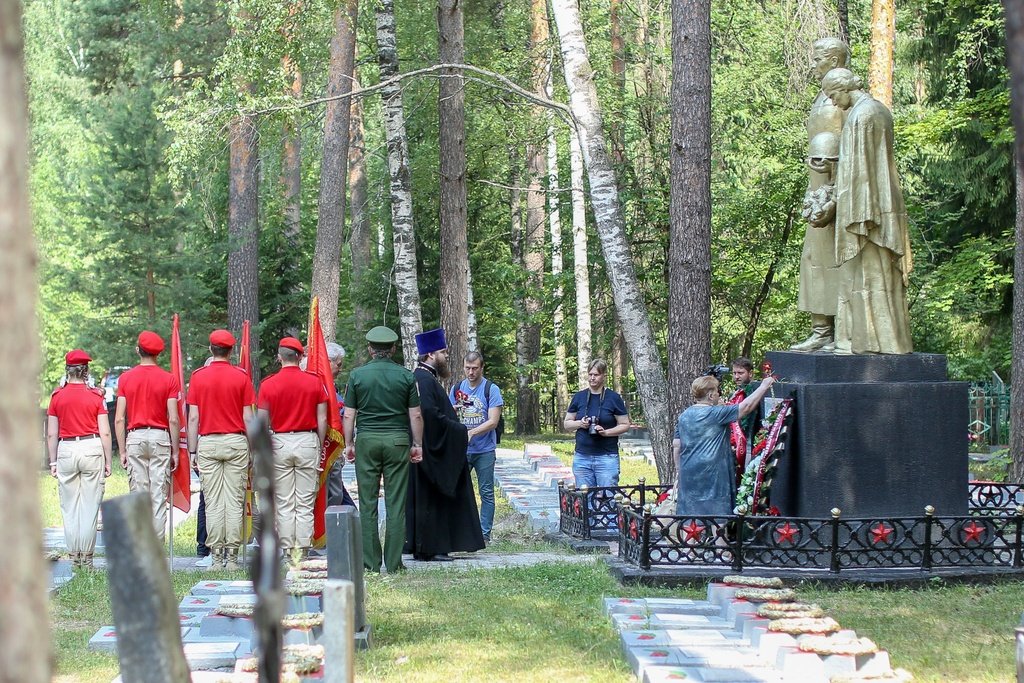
[
  {"x": 295, "y": 483},
  {"x": 149, "y": 469},
  {"x": 223, "y": 465},
  {"x": 80, "y": 483}
]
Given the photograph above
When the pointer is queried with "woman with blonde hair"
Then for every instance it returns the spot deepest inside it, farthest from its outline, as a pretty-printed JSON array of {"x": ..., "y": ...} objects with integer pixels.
[
  {"x": 78, "y": 443},
  {"x": 707, "y": 480}
]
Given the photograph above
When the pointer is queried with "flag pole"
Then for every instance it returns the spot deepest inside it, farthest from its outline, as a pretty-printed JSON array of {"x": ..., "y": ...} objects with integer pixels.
[{"x": 170, "y": 516}]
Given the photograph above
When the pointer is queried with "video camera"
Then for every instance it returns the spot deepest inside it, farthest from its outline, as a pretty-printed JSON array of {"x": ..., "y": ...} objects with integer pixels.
[{"x": 717, "y": 371}]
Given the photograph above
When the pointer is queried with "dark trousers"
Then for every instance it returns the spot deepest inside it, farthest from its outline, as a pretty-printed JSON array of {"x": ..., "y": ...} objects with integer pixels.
[{"x": 202, "y": 550}]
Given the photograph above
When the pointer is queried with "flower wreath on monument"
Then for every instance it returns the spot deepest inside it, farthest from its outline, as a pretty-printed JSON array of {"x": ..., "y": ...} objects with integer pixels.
[{"x": 755, "y": 483}]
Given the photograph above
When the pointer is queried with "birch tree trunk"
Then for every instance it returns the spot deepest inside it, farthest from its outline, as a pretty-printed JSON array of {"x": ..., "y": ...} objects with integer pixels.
[
  {"x": 515, "y": 201},
  {"x": 243, "y": 231},
  {"x": 291, "y": 162},
  {"x": 472, "y": 340},
  {"x": 330, "y": 225},
  {"x": 689, "y": 303},
  {"x": 555, "y": 227},
  {"x": 359, "y": 235},
  {"x": 24, "y": 629},
  {"x": 406, "y": 283},
  {"x": 528, "y": 400},
  {"x": 883, "y": 37},
  {"x": 581, "y": 265},
  {"x": 452, "y": 148},
  {"x": 629, "y": 303},
  {"x": 1015, "y": 60}
]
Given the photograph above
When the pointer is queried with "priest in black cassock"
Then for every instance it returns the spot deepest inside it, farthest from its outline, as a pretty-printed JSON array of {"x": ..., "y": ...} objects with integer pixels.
[{"x": 441, "y": 513}]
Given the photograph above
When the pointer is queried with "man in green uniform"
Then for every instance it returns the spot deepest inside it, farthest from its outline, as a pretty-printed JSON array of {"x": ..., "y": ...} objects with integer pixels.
[{"x": 383, "y": 402}]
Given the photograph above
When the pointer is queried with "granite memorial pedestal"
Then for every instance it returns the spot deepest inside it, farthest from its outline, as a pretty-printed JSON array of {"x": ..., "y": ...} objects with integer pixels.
[{"x": 873, "y": 435}]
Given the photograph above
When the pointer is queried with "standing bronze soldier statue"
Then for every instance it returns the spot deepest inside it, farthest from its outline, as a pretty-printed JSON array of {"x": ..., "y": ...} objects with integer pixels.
[
  {"x": 872, "y": 245},
  {"x": 818, "y": 273}
]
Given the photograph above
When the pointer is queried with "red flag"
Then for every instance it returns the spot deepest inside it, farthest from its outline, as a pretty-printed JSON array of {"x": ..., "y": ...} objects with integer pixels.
[
  {"x": 319, "y": 364},
  {"x": 181, "y": 479},
  {"x": 244, "y": 359}
]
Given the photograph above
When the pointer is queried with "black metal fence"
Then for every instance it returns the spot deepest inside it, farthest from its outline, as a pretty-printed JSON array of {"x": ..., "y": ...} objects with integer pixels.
[
  {"x": 989, "y": 536},
  {"x": 927, "y": 542},
  {"x": 593, "y": 513}
]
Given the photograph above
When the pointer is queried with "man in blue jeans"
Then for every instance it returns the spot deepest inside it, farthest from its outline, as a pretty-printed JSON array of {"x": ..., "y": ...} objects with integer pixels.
[{"x": 478, "y": 403}]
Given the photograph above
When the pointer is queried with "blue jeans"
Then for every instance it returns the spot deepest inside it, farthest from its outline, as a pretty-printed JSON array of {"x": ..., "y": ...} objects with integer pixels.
[
  {"x": 483, "y": 463},
  {"x": 595, "y": 470}
]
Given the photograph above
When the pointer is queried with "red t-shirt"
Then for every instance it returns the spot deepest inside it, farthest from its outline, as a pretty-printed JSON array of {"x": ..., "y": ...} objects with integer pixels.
[
  {"x": 76, "y": 408},
  {"x": 221, "y": 391},
  {"x": 147, "y": 388},
  {"x": 291, "y": 396}
]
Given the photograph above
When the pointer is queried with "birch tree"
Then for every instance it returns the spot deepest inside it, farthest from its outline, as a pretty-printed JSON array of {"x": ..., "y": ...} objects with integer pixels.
[
  {"x": 527, "y": 400},
  {"x": 24, "y": 629},
  {"x": 454, "y": 281},
  {"x": 604, "y": 197},
  {"x": 406, "y": 284},
  {"x": 689, "y": 303},
  {"x": 555, "y": 227},
  {"x": 333, "y": 169},
  {"x": 581, "y": 266}
]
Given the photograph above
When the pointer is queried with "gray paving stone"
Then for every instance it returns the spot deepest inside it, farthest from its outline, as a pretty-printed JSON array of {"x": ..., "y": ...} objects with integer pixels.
[
  {"x": 624, "y": 606},
  {"x": 210, "y": 654},
  {"x": 222, "y": 588},
  {"x": 104, "y": 640}
]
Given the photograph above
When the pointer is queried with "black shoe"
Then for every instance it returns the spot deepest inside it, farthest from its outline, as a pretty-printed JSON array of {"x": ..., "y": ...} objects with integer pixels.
[
  {"x": 432, "y": 558},
  {"x": 443, "y": 557}
]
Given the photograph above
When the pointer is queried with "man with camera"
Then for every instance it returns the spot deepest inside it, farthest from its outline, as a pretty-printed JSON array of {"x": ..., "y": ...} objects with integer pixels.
[{"x": 598, "y": 416}]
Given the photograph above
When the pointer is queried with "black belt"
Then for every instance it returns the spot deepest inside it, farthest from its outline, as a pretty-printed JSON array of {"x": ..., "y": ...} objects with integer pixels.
[
  {"x": 79, "y": 438},
  {"x": 297, "y": 431},
  {"x": 134, "y": 429}
]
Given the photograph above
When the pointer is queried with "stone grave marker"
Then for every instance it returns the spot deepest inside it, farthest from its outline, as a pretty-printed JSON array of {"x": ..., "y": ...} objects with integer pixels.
[
  {"x": 345, "y": 562},
  {"x": 149, "y": 647}
]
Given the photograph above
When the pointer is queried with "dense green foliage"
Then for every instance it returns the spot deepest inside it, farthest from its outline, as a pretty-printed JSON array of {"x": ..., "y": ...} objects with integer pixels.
[{"x": 129, "y": 103}]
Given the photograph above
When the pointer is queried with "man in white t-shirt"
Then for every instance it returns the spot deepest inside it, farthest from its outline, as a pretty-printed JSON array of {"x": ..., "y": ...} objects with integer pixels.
[{"x": 478, "y": 403}]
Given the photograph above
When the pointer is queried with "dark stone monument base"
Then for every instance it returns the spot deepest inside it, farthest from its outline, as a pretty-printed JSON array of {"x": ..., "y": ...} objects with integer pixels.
[
  {"x": 364, "y": 637},
  {"x": 873, "y": 435}
]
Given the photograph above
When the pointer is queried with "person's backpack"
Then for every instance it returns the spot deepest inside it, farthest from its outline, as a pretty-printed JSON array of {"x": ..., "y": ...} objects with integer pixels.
[{"x": 500, "y": 429}]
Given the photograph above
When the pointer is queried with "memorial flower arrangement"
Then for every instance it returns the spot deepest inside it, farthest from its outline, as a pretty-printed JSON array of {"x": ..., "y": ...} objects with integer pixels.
[
  {"x": 234, "y": 609},
  {"x": 299, "y": 574},
  {"x": 304, "y": 621},
  {"x": 314, "y": 564},
  {"x": 766, "y": 594},
  {"x": 837, "y": 645},
  {"x": 304, "y": 586},
  {"x": 789, "y": 610},
  {"x": 752, "y": 492},
  {"x": 800, "y": 625},
  {"x": 295, "y": 659},
  {"x": 753, "y": 581}
]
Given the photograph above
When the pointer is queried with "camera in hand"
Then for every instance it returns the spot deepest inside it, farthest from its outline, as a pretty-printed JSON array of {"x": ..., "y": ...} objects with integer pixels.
[
  {"x": 592, "y": 429},
  {"x": 717, "y": 371}
]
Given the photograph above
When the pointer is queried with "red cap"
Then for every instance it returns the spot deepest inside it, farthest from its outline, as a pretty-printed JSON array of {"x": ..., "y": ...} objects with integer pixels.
[
  {"x": 221, "y": 338},
  {"x": 150, "y": 343},
  {"x": 76, "y": 357},
  {"x": 291, "y": 343}
]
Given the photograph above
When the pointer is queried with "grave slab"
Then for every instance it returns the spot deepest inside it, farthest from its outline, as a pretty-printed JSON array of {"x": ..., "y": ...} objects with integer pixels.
[
  {"x": 218, "y": 625},
  {"x": 697, "y": 636},
  {"x": 104, "y": 640},
  {"x": 683, "y": 606},
  {"x": 720, "y": 593},
  {"x": 770, "y": 644},
  {"x": 735, "y": 607},
  {"x": 671, "y": 620},
  {"x": 211, "y": 655},
  {"x": 624, "y": 606},
  {"x": 630, "y": 622},
  {"x": 641, "y": 657},
  {"x": 801, "y": 666}
]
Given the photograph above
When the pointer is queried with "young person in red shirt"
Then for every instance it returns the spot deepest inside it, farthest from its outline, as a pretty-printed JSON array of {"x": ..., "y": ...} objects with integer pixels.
[
  {"x": 295, "y": 403},
  {"x": 147, "y": 400},
  {"x": 220, "y": 399},
  {"x": 78, "y": 443}
]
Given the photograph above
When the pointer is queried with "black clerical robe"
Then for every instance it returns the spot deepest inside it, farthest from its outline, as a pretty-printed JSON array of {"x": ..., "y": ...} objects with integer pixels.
[{"x": 441, "y": 512}]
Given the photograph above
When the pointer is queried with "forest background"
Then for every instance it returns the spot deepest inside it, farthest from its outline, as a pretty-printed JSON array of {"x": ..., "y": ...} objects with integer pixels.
[{"x": 136, "y": 109}]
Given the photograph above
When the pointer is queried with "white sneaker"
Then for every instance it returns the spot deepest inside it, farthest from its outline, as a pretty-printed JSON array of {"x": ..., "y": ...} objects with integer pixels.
[{"x": 205, "y": 561}]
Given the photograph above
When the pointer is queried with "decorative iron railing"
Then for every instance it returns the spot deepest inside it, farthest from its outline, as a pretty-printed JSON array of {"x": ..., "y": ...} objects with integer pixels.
[
  {"x": 927, "y": 542},
  {"x": 994, "y": 498},
  {"x": 589, "y": 513}
]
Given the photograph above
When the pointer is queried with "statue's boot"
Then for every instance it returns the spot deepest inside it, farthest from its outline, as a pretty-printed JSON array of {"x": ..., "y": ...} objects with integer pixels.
[
  {"x": 822, "y": 334},
  {"x": 85, "y": 560},
  {"x": 76, "y": 559}
]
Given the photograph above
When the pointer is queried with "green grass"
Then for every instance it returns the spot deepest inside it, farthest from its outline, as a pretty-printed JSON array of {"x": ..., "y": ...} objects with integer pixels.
[{"x": 544, "y": 623}]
